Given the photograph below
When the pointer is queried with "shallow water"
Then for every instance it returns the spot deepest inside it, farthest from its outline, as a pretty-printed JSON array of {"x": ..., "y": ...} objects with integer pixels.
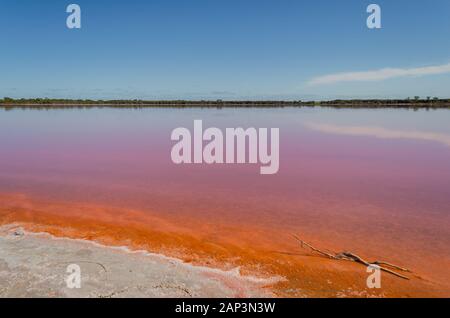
[{"x": 372, "y": 181}]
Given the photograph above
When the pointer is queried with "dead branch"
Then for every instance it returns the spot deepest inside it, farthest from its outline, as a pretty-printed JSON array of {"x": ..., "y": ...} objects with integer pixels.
[
  {"x": 348, "y": 256},
  {"x": 391, "y": 265},
  {"x": 313, "y": 248},
  {"x": 357, "y": 259}
]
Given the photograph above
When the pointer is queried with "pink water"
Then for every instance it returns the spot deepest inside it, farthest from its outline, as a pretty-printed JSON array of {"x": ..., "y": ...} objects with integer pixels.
[{"x": 386, "y": 197}]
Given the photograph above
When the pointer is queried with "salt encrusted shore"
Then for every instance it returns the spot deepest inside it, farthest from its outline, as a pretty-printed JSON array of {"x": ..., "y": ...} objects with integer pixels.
[{"x": 35, "y": 265}]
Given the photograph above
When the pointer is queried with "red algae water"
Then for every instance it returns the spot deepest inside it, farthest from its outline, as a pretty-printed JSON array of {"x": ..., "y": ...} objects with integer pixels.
[{"x": 374, "y": 182}]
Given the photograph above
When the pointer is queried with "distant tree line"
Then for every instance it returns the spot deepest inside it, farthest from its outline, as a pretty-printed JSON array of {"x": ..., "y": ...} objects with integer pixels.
[
  {"x": 138, "y": 102},
  {"x": 415, "y": 102}
]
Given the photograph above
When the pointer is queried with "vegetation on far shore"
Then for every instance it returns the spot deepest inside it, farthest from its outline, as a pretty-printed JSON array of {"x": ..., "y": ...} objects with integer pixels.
[{"x": 415, "y": 102}]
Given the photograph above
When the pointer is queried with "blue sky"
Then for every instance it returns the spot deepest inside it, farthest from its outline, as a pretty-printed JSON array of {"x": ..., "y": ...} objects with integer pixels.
[{"x": 229, "y": 49}]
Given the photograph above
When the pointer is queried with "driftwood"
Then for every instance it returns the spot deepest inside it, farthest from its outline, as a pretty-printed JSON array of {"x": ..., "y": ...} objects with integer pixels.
[{"x": 347, "y": 256}]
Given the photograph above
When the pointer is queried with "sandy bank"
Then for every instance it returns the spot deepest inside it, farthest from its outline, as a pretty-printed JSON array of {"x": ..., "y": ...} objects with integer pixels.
[{"x": 35, "y": 265}]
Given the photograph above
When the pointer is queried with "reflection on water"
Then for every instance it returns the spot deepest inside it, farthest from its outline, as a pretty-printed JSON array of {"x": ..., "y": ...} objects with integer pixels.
[{"x": 381, "y": 132}]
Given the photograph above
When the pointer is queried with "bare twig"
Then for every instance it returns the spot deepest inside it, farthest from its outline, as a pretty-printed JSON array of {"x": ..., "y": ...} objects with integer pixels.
[
  {"x": 314, "y": 249},
  {"x": 392, "y": 265},
  {"x": 356, "y": 258},
  {"x": 348, "y": 256}
]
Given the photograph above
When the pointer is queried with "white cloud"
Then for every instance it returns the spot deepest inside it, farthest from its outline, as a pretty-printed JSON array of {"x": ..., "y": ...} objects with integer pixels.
[
  {"x": 381, "y": 132},
  {"x": 379, "y": 75}
]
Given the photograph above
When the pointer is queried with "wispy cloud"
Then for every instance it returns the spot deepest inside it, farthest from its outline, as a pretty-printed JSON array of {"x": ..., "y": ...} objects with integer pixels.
[
  {"x": 380, "y": 75},
  {"x": 381, "y": 132}
]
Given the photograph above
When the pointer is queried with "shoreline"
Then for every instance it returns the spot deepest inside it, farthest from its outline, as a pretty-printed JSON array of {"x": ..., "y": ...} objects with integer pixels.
[
  {"x": 110, "y": 271},
  {"x": 300, "y": 272},
  {"x": 346, "y": 104}
]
